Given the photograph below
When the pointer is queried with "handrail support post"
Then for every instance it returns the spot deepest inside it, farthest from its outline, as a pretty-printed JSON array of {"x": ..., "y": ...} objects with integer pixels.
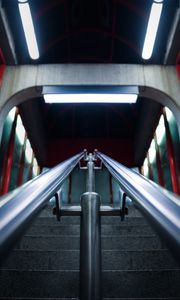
[{"x": 90, "y": 243}]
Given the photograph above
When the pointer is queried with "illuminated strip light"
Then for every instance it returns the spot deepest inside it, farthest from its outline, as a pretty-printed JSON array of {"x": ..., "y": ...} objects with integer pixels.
[
  {"x": 28, "y": 28},
  {"x": 146, "y": 168},
  {"x": 11, "y": 114},
  {"x": 28, "y": 152},
  {"x": 90, "y": 98},
  {"x": 152, "y": 152},
  {"x": 153, "y": 23},
  {"x": 169, "y": 114},
  {"x": 160, "y": 130},
  {"x": 20, "y": 131}
]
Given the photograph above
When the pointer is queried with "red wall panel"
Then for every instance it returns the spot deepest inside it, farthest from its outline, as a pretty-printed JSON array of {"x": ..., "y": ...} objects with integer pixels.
[{"x": 120, "y": 150}]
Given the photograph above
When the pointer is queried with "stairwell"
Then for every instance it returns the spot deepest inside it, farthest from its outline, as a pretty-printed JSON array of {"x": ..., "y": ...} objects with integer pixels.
[{"x": 45, "y": 263}]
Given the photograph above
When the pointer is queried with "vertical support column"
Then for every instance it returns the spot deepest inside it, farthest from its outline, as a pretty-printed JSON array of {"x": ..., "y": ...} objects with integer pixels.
[
  {"x": 30, "y": 175},
  {"x": 70, "y": 189},
  {"x": 158, "y": 161},
  {"x": 22, "y": 164},
  {"x": 90, "y": 243},
  {"x": 2, "y": 66},
  {"x": 150, "y": 168},
  {"x": 9, "y": 158},
  {"x": 171, "y": 156},
  {"x": 111, "y": 189}
]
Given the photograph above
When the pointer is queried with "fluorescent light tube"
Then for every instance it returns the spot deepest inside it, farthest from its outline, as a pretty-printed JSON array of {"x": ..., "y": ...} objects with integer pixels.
[
  {"x": 28, "y": 28},
  {"x": 90, "y": 98},
  {"x": 152, "y": 28}
]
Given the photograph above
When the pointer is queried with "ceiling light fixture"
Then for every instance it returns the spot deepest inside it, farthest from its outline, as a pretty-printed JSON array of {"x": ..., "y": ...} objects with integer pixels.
[
  {"x": 90, "y": 94},
  {"x": 151, "y": 32},
  {"x": 90, "y": 98},
  {"x": 28, "y": 28}
]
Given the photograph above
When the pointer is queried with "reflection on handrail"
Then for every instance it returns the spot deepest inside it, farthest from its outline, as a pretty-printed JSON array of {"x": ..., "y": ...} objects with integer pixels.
[
  {"x": 19, "y": 207},
  {"x": 160, "y": 207}
]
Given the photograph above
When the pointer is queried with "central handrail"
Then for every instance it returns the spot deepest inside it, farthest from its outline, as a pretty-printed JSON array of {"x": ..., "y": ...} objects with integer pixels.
[
  {"x": 159, "y": 206},
  {"x": 19, "y": 207}
]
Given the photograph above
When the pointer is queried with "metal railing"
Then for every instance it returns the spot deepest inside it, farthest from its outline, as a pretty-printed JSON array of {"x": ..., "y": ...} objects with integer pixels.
[
  {"x": 160, "y": 207},
  {"x": 19, "y": 207}
]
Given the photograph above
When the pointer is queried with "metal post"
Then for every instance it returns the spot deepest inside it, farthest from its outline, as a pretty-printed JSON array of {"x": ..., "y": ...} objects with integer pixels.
[
  {"x": 111, "y": 189},
  {"x": 158, "y": 162},
  {"x": 30, "y": 175},
  {"x": 70, "y": 189},
  {"x": 171, "y": 156},
  {"x": 150, "y": 169},
  {"x": 22, "y": 164},
  {"x": 2, "y": 66},
  {"x": 9, "y": 158},
  {"x": 90, "y": 243}
]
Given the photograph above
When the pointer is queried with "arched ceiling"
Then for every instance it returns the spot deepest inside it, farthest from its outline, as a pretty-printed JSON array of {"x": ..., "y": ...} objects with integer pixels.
[{"x": 91, "y": 31}]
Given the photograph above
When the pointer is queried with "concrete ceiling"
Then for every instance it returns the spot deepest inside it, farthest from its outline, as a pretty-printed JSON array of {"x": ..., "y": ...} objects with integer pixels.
[{"x": 93, "y": 31}]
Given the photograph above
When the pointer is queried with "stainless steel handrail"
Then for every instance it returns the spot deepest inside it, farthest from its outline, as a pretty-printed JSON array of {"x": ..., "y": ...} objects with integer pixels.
[
  {"x": 161, "y": 208},
  {"x": 19, "y": 207}
]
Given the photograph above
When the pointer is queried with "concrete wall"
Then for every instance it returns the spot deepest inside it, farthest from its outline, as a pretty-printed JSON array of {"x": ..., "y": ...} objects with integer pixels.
[{"x": 21, "y": 83}]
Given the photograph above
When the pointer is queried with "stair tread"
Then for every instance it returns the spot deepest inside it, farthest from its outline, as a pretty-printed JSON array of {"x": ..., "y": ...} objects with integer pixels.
[
  {"x": 45, "y": 283},
  {"x": 73, "y": 242},
  {"x": 132, "y": 256},
  {"x": 69, "y": 259}
]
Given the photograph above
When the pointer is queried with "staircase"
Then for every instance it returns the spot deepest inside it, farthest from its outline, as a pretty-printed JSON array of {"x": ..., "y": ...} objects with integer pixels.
[{"x": 45, "y": 263}]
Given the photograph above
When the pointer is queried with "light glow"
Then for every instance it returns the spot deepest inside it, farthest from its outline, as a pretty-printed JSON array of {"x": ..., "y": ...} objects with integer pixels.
[
  {"x": 11, "y": 114},
  {"x": 153, "y": 23},
  {"x": 145, "y": 167},
  {"x": 28, "y": 28},
  {"x": 28, "y": 152},
  {"x": 152, "y": 152},
  {"x": 160, "y": 130},
  {"x": 20, "y": 131},
  {"x": 35, "y": 167},
  {"x": 90, "y": 98},
  {"x": 169, "y": 114}
]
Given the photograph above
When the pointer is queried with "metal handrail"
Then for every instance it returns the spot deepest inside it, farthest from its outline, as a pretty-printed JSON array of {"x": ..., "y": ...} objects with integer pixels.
[
  {"x": 19, "y": 207},
  {"x": 160, "y": 207}
]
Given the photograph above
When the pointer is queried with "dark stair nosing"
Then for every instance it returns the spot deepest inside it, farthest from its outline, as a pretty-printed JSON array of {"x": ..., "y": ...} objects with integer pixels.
[
  {"x": 69, "y": 259},
  {"x": 108, "y": 242},
  {"x": 75, "y": 229}
]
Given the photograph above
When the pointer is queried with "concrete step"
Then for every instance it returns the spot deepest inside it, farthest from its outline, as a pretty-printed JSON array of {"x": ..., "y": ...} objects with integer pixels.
[
  {"x": 144, "y": 298},
  {"x": 72, "y": 242},
  {"x": 121, "y": 229},
  {"x": 132, "y": 221},
  {"x": 127, "y": 284},
  {"x": 17, "y": 298},
  {"x": 172, "y": 298},
  {"x": 69, "y": 260},
  {"x": 37, "y": 284},
  {"x": 141, "y": 284}
]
